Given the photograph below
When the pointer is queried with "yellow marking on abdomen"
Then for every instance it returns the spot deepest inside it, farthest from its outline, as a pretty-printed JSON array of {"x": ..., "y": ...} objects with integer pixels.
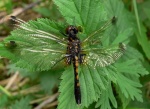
[
  {"x": 76, "y": 58},
  {"x": 76, "y": 63},
  {"x": 76, "y": 70},
  {"x": 77, "y": 77}
]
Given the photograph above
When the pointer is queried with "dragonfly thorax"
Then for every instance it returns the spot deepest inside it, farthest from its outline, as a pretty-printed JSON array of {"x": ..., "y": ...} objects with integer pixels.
[
  {"x": 74, "y": 44},
  {"x": 74, "y": 47}
]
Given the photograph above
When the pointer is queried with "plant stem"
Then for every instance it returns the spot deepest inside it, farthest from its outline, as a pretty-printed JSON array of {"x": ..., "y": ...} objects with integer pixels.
[
  {"x": 5, "y": 91},
  {"x": 137, "y": 16}
]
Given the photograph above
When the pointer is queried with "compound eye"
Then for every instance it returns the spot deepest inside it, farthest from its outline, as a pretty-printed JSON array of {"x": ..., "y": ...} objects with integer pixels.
[{"x": 68, "y": 30}]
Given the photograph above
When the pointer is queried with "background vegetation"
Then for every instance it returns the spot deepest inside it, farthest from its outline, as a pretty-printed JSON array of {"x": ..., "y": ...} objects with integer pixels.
[{"x": 36, "y": 90}]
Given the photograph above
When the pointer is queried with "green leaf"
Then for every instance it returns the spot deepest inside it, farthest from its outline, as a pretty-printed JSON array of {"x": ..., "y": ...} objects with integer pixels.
[
  {"x": 48, "y": 80},
  {"x": 91, "y": 83},
  {"x": 66, "y": 98},
  {"x": 140, "y": 32},
  {"x": 124, "y": 101},
  {"x": 90, "y": 91},
  {"x": 127, "y": 79},
  {"x": 105, "y": 99},
  {"x": 22, "y": 103},
  {"x": 129, "y": 88},
  {"x": 144, "y": 13},
  {"x": 7, "y": 5},
  {"x": 91, "y": 86},
  {"x": 83, "y": 12},
  {"x": 3, "y": 101},
  {"x": 122, "y": 30}
]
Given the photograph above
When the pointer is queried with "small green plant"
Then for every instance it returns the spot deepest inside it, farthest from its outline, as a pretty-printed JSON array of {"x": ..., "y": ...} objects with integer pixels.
[
  {"x": 27, "y": 47},
  {"x": 6, "y": 5}
]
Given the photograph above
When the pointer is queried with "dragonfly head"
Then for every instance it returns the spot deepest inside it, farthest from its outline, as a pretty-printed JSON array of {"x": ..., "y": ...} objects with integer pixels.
[{"x": 71, "y": 31}]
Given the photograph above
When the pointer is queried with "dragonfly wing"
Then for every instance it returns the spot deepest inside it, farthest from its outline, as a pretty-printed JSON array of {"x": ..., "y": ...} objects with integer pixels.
[
  {"x": 42, "y": 29},
  {"x": 104, "y": 56},
  {"x": 100, "y": 30},
  {"x": 33, "y": 43},
  {"x": 43, "y": 57}
]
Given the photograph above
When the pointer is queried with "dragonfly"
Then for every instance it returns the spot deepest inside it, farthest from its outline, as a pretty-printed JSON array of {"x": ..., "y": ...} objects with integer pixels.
[{"x": 68, "y": 47}]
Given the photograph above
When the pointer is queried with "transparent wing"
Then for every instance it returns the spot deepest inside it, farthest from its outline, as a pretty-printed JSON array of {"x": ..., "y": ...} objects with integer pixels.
[
  {"x": 104, "y": 56},
  {"x": 34, "y": 43},
  {"x": 93, "y": 36},
  {"x": 38, "y": 29}
]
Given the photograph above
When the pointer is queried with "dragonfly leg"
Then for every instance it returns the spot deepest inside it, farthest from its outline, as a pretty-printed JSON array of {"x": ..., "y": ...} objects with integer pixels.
[
  {"x": 57, "y": 62},
  {"x": 68, "y": 59}
]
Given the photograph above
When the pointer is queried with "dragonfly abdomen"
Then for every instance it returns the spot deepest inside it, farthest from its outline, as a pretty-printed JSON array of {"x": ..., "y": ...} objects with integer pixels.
[{"x": 77, "y": 91}]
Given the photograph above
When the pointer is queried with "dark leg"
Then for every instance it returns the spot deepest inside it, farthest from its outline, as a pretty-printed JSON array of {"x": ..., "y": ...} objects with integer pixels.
[
  {"x": 58, "y": 62},
  {"x": 68, "y": 58}
]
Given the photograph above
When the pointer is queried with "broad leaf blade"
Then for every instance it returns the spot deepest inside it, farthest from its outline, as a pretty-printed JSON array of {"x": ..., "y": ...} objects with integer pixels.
[
  {"x": 66, "y": 89},
  {"x": 87, "y": 13},
  {"x": 105, "y": 99}
]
